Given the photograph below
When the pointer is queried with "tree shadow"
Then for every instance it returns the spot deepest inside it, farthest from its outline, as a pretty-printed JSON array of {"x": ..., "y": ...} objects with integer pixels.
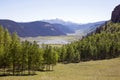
[
  {"x": 2, "y": 74},
  {"x": 5, "y": 75}
]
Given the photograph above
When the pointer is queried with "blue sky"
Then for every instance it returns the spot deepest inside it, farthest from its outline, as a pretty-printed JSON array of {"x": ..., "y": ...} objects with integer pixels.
[{"x": 80, "y": 11}]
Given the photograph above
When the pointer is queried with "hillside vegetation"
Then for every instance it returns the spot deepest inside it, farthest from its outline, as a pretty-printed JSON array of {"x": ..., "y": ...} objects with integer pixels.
[{"x": 103, "y": 44}]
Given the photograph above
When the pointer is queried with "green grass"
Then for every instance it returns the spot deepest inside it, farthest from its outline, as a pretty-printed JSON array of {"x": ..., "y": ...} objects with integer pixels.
[{"x": 91, "y": 70}]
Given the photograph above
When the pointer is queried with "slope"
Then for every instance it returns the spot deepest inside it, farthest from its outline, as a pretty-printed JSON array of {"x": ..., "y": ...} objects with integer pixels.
[{"x": 32, "y": 29}]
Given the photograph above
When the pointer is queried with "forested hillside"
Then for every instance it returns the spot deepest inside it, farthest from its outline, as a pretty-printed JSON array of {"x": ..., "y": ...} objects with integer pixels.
[{"x": 104, "y": 44}]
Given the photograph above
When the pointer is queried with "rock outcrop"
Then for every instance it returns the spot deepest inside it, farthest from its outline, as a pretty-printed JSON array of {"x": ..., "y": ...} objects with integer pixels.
[{"x": 116, "y": 14}]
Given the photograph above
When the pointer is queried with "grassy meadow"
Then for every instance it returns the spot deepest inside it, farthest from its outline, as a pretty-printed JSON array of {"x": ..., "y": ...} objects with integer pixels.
[{"x": 91, "y": 70}]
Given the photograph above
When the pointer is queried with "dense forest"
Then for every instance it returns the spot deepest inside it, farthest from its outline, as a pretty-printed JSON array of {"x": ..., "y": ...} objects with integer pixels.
[{"x": 19, "y": 58}]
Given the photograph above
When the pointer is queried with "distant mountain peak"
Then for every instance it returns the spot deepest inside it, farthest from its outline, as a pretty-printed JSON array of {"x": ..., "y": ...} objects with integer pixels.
[{"x": 59, "y": 21}]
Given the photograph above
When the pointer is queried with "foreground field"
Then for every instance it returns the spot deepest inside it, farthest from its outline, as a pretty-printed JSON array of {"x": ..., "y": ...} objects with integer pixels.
[{"x": 91, "y": 70}]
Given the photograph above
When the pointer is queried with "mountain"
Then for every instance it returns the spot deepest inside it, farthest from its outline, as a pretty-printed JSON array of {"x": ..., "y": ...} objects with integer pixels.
[
  {"x": 116, "y": 14},
  {"x": 12, "y": 26},
  {"x": 64, "y": 28},
  {"x": 77, "y": 28},
  {"x": 58, "y": 21},
  {"x": 32, "y": 29},
  {"x": 55, "y": 27},
  {"x": 91, "y": 27},
  {"x": 112, "y": 26},
  {"x": 86, "y": 29},
  {"x": 68, "y": 24}
]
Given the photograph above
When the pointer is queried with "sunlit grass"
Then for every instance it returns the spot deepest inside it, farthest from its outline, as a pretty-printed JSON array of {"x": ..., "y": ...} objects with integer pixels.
[{"x": 91, "y": 70}]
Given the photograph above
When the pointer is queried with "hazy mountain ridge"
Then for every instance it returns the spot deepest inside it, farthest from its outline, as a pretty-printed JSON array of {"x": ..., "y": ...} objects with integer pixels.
[
  {"x": 32, "y": 29},
  {"x": 55, "y": 27},
  {"x": 91, "y": 27},
  {"x": 77, "y": 27},
  {"x": 71, "y": 25}
]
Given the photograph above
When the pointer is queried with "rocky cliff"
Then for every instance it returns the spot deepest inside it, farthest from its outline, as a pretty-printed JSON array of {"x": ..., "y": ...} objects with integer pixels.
[{"x": 116, "y": 14}]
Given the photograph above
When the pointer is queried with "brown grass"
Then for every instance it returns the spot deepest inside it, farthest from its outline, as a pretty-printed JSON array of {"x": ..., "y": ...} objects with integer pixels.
[{"x": 91, "y": 70}]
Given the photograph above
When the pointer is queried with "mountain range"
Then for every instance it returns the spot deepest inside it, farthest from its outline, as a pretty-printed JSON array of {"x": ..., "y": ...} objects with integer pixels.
[
  {"x": 54, "y": 27},
  {"x": 77, "y": 28}
]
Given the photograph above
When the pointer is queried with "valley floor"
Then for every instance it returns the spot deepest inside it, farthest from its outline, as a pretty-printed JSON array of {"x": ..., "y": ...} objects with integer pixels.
[
  {"x": 57, "y": 40},
  {"x": 91, "y": 70}
]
